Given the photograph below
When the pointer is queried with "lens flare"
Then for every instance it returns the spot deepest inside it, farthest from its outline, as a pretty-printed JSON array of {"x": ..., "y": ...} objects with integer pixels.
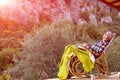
[{"x": 4, "y": 2}]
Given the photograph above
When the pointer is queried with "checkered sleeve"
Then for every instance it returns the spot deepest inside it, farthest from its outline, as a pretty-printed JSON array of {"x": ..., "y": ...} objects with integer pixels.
[{"x": 99, "y": 47}]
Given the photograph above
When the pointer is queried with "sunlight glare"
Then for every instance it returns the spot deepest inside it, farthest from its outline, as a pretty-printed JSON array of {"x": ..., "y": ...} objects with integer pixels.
[{"x": 4, "y": 2}]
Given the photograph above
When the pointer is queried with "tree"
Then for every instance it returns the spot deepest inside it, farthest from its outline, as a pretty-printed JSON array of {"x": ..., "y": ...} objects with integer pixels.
[
  {"x": 7, "y": 56},
  {"x": 10, "y": 42},
  {"x": 42, "y": 51}
]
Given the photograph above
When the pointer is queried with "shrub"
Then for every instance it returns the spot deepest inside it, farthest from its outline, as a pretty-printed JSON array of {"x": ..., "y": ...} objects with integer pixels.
[
  {"x": 43, "y": 48},
  {"x": 94, "y": 32},
  {"x": 85, "y": 15},
  {"x": 114, "y": 55},
  {"x": 6, "y": 57},
  {"x": 10, "y": 42}
]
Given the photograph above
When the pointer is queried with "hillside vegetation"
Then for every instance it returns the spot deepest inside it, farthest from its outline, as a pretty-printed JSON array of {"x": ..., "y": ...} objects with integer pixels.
[
  {"x": 43, "y": 48},
  {"x": 34, "y": 33}
]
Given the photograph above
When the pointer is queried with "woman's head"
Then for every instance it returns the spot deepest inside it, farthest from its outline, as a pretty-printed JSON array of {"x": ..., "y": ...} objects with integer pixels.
[{"x": 107, "y": 36}]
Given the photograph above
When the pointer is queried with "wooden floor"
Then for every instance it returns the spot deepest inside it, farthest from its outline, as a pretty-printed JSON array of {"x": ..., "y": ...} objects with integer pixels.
[{"x": 111, "y": 77}]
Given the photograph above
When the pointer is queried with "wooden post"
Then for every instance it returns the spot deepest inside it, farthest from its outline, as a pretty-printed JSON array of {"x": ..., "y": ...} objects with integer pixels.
[
  {"x": 92, "y": 76},
  {"x": 119, "y": 76}
]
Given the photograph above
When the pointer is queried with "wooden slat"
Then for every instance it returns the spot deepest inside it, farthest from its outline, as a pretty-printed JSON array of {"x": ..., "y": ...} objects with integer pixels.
[
  {"x": 112, "y": 77},
  {"x": 112, "y": 3},
  {"x": 117, "y": 4},
  {"x": 110, "y": 0}
]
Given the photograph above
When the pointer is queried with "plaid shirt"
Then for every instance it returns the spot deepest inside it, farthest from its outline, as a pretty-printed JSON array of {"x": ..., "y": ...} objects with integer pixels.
[{"x": 99, "y": 47}]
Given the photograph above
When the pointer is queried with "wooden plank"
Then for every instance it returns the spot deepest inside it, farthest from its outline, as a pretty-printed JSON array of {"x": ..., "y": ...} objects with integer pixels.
[
  {"x": 117, "y": 4},
  {"x": 112, "y": 77},
  {"x": 110, "y": 0}
]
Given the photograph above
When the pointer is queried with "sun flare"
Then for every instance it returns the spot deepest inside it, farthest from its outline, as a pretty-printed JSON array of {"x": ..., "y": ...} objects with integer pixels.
[{"x": 4, "y": 2}]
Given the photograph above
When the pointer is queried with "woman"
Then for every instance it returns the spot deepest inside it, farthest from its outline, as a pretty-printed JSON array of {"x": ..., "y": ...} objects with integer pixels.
[{"x": 99, "y": 47}]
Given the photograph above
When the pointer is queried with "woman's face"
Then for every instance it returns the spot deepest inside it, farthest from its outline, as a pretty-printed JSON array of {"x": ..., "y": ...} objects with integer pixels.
[{"x": 107, "y": 36}]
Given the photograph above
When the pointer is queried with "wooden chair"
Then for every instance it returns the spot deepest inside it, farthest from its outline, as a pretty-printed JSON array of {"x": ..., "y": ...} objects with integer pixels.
[{"x": 101, "y": 64}]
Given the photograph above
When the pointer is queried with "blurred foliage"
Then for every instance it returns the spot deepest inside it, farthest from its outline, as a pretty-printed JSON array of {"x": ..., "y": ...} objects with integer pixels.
[
  {"x": 102, "y": 13},
  {"x": 85, "y": 15},
  {"x": 8, "y": 34},
  {"x": 114, "y": 55},
  {"x": 114, "y": 26},
  {"x": 6, "y": 58},
  {"x": 5, "y": 77},
  {"x": 10, "y": 42},
  {"x": 115, "y": 29},
  {"x": 11, "y": 25},
  {"x": 44, "y": 44},
  {"x": 44, "y": 19},
  {"x": 43, "y": 48},
  {"x": 11, "y": 35},
  {"x": 94, "y": 32}
]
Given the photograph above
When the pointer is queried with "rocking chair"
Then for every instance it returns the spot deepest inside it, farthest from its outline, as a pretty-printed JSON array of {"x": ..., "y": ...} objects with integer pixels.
[{"x": 101, "y": 64}]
